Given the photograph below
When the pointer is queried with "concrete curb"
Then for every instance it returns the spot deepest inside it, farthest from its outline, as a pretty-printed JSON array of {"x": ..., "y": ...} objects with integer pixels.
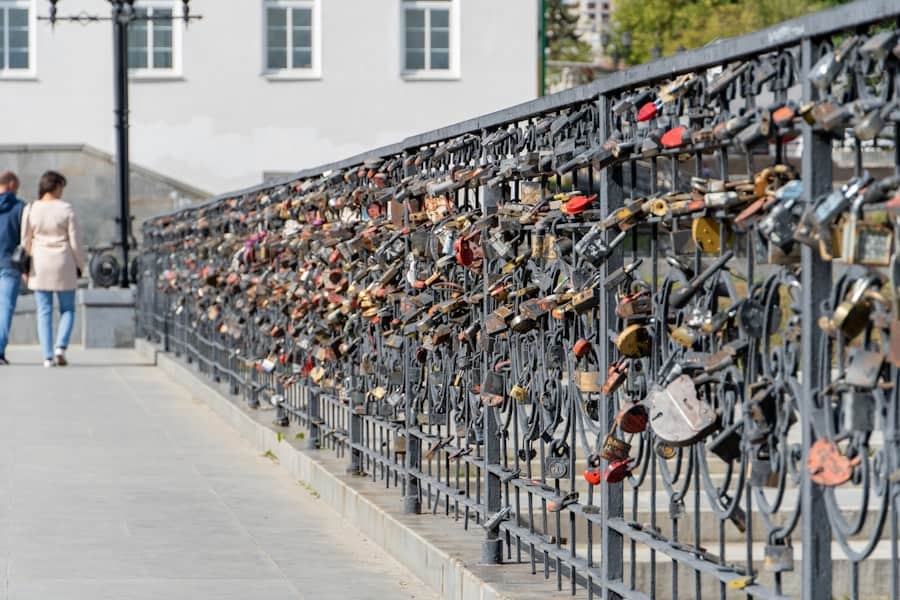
[{"x": 410, "y": 539}]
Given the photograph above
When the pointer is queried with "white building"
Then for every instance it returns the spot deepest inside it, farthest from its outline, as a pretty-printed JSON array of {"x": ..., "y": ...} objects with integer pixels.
[
  {"x": 262, "y": 85},
  {"x": 593, "y": 21}
]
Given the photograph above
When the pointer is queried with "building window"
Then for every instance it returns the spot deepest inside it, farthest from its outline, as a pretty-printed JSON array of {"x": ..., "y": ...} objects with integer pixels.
[
  {"x": 153, "y": 40},
  {"x": 291, "y": 34},
  {"x": 429, "y": 37},
  {"x": 16, "y": 38}
]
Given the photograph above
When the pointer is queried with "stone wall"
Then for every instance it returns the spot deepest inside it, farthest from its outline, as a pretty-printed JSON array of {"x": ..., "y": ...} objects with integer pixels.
[{"x": 92, "y": 189}]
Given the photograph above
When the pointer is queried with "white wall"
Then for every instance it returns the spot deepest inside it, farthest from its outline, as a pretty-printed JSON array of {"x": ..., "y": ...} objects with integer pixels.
[{"x": 223, "y": 123}]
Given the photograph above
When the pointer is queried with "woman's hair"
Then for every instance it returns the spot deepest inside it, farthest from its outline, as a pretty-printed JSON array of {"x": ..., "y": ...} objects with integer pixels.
[{"x": 49, "y": 182}]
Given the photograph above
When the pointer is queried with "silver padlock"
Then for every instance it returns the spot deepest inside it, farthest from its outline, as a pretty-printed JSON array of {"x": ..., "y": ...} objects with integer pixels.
[
  {"x": 858, "y": 409},
  {"x": 779, "y": 558},
  {"x": 676, "y": 509},
  {"x": 556, "y": 464}
]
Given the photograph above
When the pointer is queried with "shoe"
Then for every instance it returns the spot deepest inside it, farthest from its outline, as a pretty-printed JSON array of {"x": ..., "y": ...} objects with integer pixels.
[
  {"x": 61, "y": 357},
  {"x": 49, "y": 363},
  {"x": 3, "y": 361}
]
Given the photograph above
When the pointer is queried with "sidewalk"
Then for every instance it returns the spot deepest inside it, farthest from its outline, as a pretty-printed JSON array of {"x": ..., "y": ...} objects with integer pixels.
[{"x": 115, "y": 484}]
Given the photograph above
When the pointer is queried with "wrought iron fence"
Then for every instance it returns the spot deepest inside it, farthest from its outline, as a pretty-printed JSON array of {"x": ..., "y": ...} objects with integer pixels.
[{"x": 641, "y": 334}]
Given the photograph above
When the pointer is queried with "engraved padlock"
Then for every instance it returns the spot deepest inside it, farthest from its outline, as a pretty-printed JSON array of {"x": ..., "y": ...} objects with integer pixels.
[
  {"x": 556, "y": 463},
  {"x": 614, "y": 448}
]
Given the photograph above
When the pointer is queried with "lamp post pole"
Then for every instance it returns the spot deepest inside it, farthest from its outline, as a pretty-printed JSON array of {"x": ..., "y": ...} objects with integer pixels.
[
  {"x": 123, "y": 13},
  {"x": 120, "y": 20}
]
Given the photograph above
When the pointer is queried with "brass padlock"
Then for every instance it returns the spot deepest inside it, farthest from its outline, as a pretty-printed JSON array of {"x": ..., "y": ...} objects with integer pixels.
[
  {"x": 706, "y": 233},
  {"x": 634, "y": 341},
  {"x": 519, "y": 394},
  {"x": 588, "y": 381}
]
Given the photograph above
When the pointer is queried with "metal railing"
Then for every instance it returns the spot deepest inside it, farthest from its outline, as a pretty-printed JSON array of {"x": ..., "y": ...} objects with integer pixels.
[{"x": 629, "y": 427}]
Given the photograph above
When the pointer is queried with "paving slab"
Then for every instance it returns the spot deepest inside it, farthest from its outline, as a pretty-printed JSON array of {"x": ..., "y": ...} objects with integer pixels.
[{"x": 115, "y": 483}]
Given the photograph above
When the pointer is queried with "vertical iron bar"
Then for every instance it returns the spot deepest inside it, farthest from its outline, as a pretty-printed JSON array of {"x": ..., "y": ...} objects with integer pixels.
[
  {"x": 611, "y": 496},
  {"x": 817, "y": 178}
]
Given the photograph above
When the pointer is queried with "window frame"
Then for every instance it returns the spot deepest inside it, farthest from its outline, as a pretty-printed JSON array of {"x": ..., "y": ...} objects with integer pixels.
[
  {"x": 154, "y": 74},
  {"x": 6, "y": 73},
  {"x": 429, "y": 74},
  {"x": 291, "y": 73}
]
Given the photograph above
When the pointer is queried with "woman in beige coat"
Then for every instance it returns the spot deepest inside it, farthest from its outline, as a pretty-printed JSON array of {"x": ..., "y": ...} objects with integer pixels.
[{"x": 50, "y": 236}]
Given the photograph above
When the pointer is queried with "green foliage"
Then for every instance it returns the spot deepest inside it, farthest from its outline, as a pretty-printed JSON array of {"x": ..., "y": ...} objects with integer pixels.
[
  {"x": 562, "y": 42},
  {"x": 672, "y": 25}
]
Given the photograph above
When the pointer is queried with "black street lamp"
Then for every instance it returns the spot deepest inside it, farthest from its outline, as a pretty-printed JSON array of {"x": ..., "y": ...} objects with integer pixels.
[{"x": 123, "y": 14}]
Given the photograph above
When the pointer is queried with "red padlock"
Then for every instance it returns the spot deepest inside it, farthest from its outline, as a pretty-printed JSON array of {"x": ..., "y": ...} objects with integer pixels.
[
  {"x": 618, "y": 470},
  {"x": 581, "y": 348},
  {"x": 676, "y": 137},
  {"x": 578, "y": 204},
  {"x": 593, "y": 476},
  {"x": 464, "y": 254}
]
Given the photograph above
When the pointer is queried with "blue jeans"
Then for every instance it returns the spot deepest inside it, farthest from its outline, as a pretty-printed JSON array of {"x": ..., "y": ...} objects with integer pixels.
[
  {"x": 44, "y": 301},
  {"x": 10, "y": 279}
]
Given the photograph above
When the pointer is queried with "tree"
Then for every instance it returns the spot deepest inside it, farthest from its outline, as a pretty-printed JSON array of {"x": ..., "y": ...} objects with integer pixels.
[
  {"x": 672, "y": 25},
  {"x": 563, "y": 43}
]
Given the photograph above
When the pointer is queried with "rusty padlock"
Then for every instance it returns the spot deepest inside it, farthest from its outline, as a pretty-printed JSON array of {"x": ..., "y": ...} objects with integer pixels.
[
  {"x": 616, "y": 375},
  {"x": 633, "y": 417},
  {"x": 637, "y": 304},
  {"x": 614, "y": 449},
  {"x": 581, "y": 348}
]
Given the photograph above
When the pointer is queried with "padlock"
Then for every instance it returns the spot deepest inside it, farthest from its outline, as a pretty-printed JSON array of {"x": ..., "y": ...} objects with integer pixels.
[
  {"x": 637, "y": 304},
  {"x": 863, "y": 368},
  {"x": 685, "y": 335},
  {"x": 588, "y": 381},
  {"x": 556, "y": 463},
  {"x": 633, "y": 417},
  {"x": 865, "y": 242},
  {"x": 581, "y": 348},
  {"x": 617, "y": 471},
  {"x": 858, "y": 410},
  {"x": 634, "y": 341},
  {"x": 616, "y": 375},
  {"x": 676, "y": 508},
  {"x": 585, "y": 300},
  {"x": 519, "y": 394},
  {"x": 827, "y": 466},
  {"x": 593, "y": 475},
  {"x": 852, "y": 315},
  {"x": 727, "y": 443},
  {"x": 491, "y": 391},
  {"x": 665, "y": 451},
  {"x": 761, "y": 473},
  {"x": 706, "y": 234},
  {"x": 778, "y": 557},
  {"x": 677, "y": 416},
  {"x": 614, "y": 449}
]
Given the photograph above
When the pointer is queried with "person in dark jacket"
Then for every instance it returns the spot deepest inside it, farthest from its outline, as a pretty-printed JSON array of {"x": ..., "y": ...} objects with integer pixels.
[{"x": 11, "y": 209}]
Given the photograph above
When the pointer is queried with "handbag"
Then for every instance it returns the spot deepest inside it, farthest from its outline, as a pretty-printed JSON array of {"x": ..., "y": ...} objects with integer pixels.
[
  {"x": 20, "y": 257},
  {"x": 21, "y": 260}
]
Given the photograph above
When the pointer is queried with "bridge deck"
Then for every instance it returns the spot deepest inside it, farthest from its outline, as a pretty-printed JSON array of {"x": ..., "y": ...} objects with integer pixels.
[{"x": 115, "y": 484}]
